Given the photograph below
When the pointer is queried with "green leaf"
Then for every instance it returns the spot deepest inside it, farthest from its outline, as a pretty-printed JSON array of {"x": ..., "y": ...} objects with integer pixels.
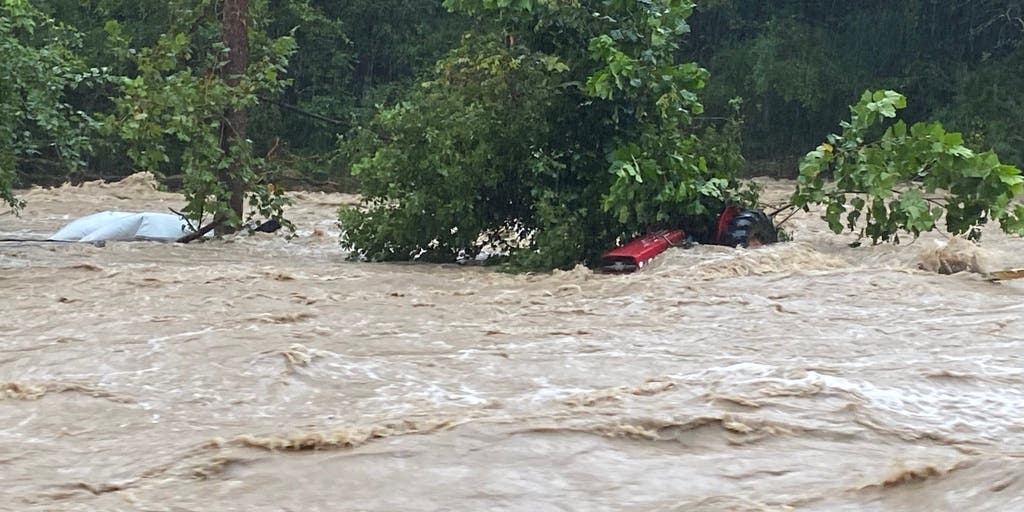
[
  {"x": 832, "y": 213},
  {"x": 886, "y": 103}
]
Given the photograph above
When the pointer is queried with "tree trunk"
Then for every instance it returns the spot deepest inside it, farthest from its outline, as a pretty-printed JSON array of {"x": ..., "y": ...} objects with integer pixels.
[{"x": 235, "y": 34}]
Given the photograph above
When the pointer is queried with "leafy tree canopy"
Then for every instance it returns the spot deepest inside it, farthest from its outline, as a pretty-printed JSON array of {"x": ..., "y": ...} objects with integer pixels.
[
  {"x": 40, "y": 69},
  {"x": 171, "y": 110},
  {"x": 553, "y": 131},
  {"x": 797, "y": 63}
]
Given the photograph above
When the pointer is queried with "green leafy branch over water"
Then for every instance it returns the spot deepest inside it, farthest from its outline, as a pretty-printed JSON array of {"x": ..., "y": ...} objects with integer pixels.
[{"x": 881, "y": 177}]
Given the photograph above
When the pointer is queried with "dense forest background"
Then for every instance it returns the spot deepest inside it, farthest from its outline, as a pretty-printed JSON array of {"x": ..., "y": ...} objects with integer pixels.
[{"x": 795, "y": 64}]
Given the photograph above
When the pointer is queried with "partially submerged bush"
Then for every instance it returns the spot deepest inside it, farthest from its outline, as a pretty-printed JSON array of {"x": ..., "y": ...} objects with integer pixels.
[{"x": 554, "y": 131}]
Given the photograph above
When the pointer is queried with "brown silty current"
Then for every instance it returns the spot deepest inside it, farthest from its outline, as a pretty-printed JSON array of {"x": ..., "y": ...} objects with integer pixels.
[{"x": 260, "y": 373}]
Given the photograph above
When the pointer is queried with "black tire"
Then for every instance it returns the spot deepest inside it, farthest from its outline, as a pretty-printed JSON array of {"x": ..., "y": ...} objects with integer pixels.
[{"x": 750, "y": 228}]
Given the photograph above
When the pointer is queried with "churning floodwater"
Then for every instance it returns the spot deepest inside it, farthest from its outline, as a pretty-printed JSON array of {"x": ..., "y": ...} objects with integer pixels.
[{"x": 261, "y": 373}]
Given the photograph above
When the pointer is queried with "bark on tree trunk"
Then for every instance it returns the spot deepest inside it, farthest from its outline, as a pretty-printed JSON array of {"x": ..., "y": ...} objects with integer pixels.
[{"x": 235, "y": 34}]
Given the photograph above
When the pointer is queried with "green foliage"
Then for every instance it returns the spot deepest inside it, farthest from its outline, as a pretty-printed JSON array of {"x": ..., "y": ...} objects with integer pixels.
[
  {"x": 485, "y": 114},
  {"x": 353, "y": 56},
  {"x": 986, "y": 110},
  {"x": 40, "y": 69},
  {"x": 797, "y": 63},
  {"x": 170, "y": 114},
  {"x": 556, "y": 130},
  {"x": 906, "y": 178}
]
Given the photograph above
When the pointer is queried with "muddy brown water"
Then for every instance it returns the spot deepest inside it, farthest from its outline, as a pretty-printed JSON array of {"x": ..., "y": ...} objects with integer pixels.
[{"x": 260, "y": 373}]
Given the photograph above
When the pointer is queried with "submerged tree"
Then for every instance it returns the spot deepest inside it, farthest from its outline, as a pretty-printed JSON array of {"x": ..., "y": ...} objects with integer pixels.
[
  {"x": 554, "y": 130},
  {"x": 185, "y": 108},
  {"x": 235, "y": 34}
]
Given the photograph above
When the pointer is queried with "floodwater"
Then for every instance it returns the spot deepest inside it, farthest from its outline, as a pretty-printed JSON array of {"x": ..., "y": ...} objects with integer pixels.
[{"x": 260, "y": 373}]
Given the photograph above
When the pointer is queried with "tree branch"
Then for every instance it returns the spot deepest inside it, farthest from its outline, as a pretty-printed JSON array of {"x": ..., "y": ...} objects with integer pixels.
[
  {"x": 201, "y": 233},
  {"x": 300, "y": 111},
  {"x": 790, "y": 216},
  {"x": 183, "y": 217}
]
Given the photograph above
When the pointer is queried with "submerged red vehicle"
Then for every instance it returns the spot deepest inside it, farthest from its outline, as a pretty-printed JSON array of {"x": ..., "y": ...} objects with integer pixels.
[
  {"x": 733, "y": 227},
  {"x": 635, "y": 254}
]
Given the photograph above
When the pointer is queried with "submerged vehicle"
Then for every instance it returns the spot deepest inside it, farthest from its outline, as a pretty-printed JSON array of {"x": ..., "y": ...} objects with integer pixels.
[
  {"x": 112, "y": 225},
  {"x": 136, "y": 226},
  {"x": 734, "y": 227}
]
